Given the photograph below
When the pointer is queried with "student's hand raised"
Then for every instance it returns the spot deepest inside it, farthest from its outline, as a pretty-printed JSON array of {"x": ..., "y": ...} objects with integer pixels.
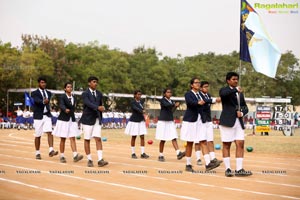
[
  {"x": 201, "y": 102},
  {"x": 101, "y": 108},
  {"x": 46, "y": 101}
]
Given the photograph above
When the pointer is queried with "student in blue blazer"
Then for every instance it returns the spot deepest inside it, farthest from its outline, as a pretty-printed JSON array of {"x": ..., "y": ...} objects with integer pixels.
[
  {"x": 166, "y": 130},
  {"x": 136, "y": 125},
  {"x": 91, "y": 120},
  {"x": 66, "y": 126},
  {"x": 234, "y": 108},
  {"x": 207, "y": 125},
  {"x": 42, "y": 117},
  {"x": 191, "y": 126}
]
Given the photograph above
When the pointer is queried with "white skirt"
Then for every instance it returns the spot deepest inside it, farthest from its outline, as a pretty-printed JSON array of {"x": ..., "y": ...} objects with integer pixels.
[
  {"x": 136, "y": 128},
  {"x": 166, "y": 130},
  {"x": 66, "y": 129},
  {"x": 191, "y": 131}
]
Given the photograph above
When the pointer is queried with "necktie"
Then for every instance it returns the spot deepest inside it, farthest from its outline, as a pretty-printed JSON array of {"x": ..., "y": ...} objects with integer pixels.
[
  {"x": 238, "y": 101},
  {"x": 94, "y": 95},
  {"x": 206, "y": 96},
  {"x": 44, "y": 94},
  {"x": 141, "y": 104},
  {"x": 198, "y": 96},
  {"x": 70, "y": 100}
]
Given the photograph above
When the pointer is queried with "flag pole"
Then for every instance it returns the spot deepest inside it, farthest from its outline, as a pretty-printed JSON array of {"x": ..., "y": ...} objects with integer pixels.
[
  {"x": 30, "y": 81},
  {"x": 240, "y": 73}
]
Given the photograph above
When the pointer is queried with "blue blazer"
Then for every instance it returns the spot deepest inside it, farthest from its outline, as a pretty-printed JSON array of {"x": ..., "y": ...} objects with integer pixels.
[
  {"x": 230, "y": 107},
  {"x": 205, "y": 108},
  {"x": 193, "y": 108},
  {"x": 166, "y": 110},
  {"x": 137, "y": 111},
  {"x": 64, "y": 104},
  {"x": 90, "y": 107},
  {"x": 38, "y": 107}
]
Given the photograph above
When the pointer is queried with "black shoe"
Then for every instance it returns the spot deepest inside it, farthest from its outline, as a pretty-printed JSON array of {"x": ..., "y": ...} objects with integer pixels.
[
  {"x": 180, "y": 155},
  {"x": 77, "y": 157},
  {"x": 199, "y": 162},
  {"x": 216, "y": 161},
  {"x": 62, "y": 160},
  {"x": 102, "y": 163},
  {"x": 38, "y": 156},
  {"x": 229, "y": 173},
  {"x": 144, "y": 155},
  {"x": 134, "y": 156},
  {"x": 53, "y": 153},
  {"x": 189, "y": 168},
  {"x": 242, "y": 172},
  {"x": 90, "y": 163},
  {"x": 161, "y": 158},
  {"x": 211, "y": 166}
]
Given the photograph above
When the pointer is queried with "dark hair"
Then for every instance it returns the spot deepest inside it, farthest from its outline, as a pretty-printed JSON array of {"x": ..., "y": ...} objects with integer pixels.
[
  {"x": 42, "y": 79},
  {"x": 92, "y": 78},
  {"x": 165, "y": 90},
  {"x": 136, "y": 91},
  {"x": 67, "y": 83},
  {"x": 192, "y": 81},
  {"x": 231, "y": 74},
  {"x": 202, "y": 83}
]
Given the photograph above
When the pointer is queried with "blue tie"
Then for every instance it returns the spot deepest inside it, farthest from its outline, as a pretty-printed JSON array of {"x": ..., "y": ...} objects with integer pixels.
[
  {"x": 94, "y": 95},
  {"x": 44, "y": 94},
  {"x": 198, "y": 96}
]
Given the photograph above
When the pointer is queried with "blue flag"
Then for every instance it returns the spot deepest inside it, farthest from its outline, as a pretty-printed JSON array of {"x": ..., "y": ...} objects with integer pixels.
[
  {"x": 256, "y": 46},
  {"x": 28, "y": 100}
]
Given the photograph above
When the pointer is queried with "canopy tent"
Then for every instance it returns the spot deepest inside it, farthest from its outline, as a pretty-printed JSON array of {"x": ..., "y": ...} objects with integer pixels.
[{"x": 114, "y": 95}]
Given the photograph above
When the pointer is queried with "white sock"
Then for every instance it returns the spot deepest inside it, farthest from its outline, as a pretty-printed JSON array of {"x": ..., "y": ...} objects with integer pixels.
[
  {"x": 74, "y": 154},
  {"x": 161, "y": 154},
  {"x": 51, "y": 149},
  {"x": 133, "y": 150},
  {"x": 206, "y": 158},
  {"x": 37, "y": 152},
  {"x": 188, "y": 161},
  {"x": 239, "y": 163},
  {"x": 89, "y": 157},
  {"x": 99, "y": 152},
  {"x": 212, "y": 155},
  {"x": 227, "y": 162},
  {"x": 177, "y": 151},
  {"x": 62, "y": 155},
  {"x": 142, "y": 149},
  {"x": 198, "y": 155}
]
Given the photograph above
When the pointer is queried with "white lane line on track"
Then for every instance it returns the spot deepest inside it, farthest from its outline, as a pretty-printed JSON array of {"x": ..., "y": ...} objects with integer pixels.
[
  {"x": 247, "y": 160},
  {"x": 176, "y": 163},
  {"x": 178, "y": 181},
  {"x": 262, "y": 157},
  {"x": 156, "y": 168},
  {"x": 45, "y": 189},
  {"x": 109, "y": 183}
]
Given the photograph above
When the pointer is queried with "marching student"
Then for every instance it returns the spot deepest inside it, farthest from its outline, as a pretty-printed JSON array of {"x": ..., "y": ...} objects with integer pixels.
[
  {"x": 66, "y": 125},
  {"x": 207, "y": 125},
  {"x": 42, "y": 117},
  {"x": 191, "y": 126},
  {"x": 166, "y": 130},
  {"x": 234, "y": 107},
  {"x": 91, "y": 120},
  {"x": 19, "y": 119},
  {"x": 136, "y": 125}
]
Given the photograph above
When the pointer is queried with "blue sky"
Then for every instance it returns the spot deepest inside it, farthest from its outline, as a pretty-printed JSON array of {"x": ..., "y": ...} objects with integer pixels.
[{"x": 185, "y": 27}]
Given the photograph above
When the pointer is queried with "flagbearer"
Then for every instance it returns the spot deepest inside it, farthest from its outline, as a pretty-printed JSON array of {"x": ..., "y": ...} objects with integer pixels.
[
  {"x": 42, "y": 117},
  {"x": 234, "y": 107}
]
